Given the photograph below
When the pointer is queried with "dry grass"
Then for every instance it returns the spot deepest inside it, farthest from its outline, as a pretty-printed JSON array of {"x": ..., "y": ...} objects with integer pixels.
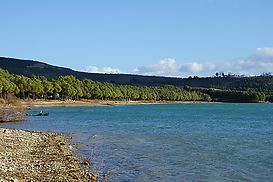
[{"x": 2, "y": 101}]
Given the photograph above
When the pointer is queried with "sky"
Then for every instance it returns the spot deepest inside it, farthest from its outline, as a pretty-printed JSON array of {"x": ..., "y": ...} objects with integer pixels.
[{"x": 178, "y": 38}]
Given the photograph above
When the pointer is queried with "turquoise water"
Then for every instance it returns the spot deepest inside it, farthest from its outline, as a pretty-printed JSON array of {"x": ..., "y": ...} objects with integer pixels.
[{"x": 172, "y": 142}]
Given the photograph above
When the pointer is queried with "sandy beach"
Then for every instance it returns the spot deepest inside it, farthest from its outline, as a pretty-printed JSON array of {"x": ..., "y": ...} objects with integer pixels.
[
  {"x": 56, "y": 103},
  {"x": 39, "y": 156}
]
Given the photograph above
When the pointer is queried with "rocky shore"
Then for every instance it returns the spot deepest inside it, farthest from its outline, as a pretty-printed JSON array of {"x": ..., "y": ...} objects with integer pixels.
[
  {"x": 39, "y": 156},
  {"x": 11, "y": 114}
]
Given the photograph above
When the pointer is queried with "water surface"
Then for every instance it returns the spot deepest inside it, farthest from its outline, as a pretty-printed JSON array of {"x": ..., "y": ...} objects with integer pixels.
[{"x": 168, "y": 142}]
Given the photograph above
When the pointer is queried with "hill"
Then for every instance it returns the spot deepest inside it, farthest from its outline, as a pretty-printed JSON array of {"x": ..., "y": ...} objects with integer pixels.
[{"x": 29, "y": 67}]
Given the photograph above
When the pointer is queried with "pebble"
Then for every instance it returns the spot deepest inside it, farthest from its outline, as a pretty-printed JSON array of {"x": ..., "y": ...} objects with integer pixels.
[{"x": 37, "y": 156}]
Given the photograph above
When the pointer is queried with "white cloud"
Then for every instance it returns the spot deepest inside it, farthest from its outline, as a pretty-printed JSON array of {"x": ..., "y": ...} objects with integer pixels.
[
  {"x": 195, "y": 67},
  {"x": 167, "y": 67},
  {"x": 95, "y": 69},
  {"x": 264, "y": 52},
  {"x": 253, "y": 66},
  {"x": 259, "y": 62}
]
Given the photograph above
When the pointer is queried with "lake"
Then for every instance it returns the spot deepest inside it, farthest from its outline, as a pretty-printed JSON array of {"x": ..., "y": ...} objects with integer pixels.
[{"x": 168, "y": 142}]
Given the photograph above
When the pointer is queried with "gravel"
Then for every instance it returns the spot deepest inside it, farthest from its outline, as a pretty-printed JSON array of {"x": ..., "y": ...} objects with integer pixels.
[{"x": 39, "y": 156}]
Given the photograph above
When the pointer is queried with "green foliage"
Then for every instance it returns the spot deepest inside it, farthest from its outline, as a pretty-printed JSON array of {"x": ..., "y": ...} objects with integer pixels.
[
  {"x": 235, "y": 95},
  {"x": 69, "y": 87}
]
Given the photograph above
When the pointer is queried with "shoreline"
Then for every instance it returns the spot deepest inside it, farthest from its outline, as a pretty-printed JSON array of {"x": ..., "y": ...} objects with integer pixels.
[
  {"x": 39, "y": 156},
  {"x": 97, "y": 102},
  {"x": 60, "y": 103}
]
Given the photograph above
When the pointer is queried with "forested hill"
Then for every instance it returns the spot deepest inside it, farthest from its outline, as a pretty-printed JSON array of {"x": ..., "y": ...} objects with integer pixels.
[{"x": 29, "y": 67}]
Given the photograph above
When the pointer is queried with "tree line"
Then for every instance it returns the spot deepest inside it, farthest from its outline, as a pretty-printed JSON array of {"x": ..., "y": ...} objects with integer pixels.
[
  {"x": 69, "y": 87},
  {"x": 242, "y": 96}
]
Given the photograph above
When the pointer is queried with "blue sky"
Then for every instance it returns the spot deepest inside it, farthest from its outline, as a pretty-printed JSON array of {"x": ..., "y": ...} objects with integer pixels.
[{"x": 151, "y": 37}]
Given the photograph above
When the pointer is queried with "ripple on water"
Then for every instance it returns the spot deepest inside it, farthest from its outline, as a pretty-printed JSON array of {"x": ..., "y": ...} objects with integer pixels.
[{"x": 170, "y": 142}]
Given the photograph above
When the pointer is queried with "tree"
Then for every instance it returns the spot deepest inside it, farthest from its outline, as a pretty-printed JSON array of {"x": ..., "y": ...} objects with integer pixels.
[
  {"x": 36, "y": 87},
  {"x": 56, "y": 89},
  {"x": 47, "y": 86}
]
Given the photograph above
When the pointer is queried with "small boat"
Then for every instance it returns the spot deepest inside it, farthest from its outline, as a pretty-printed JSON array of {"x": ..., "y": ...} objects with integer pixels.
[{"x": 41, "y": 114}]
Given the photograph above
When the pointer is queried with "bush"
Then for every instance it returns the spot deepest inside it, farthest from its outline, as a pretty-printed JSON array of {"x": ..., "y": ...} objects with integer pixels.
[{"x": 2, "y": 101}]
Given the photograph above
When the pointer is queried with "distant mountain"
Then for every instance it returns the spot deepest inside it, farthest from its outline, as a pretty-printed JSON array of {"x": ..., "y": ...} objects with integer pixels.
[{"x": 29, "y": 67}]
